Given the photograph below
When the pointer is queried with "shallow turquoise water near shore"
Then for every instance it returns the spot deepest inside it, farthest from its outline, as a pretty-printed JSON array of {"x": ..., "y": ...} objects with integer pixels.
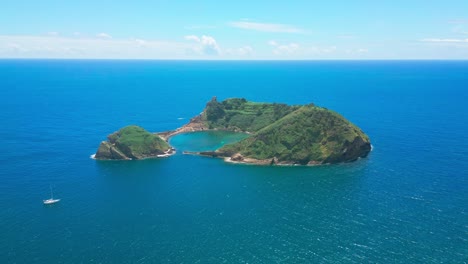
[
  {"x": 204, "y": 141},
  {"x": 405, "y": 203}
]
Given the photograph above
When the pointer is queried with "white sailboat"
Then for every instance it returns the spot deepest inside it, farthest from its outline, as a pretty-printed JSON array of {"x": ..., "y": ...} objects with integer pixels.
[{"x": 51, "y": 200}]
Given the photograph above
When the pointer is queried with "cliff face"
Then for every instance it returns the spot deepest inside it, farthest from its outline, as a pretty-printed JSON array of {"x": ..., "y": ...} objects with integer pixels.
[
  {"x": 132, "y": 142},
  {"x": 109, "y": 151}
]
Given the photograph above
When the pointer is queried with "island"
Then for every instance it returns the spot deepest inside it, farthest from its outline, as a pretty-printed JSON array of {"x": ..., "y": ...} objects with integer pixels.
[
  {"x": 279, "y": 134},
  {"x": 133, "y": 142}
]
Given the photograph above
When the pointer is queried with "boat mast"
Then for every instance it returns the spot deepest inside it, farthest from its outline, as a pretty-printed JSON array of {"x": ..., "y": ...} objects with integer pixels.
[{"x": 51, "y": 194}]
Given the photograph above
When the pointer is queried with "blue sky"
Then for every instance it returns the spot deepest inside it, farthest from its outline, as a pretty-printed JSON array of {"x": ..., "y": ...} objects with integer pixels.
[{"x": 359, "y": 29}]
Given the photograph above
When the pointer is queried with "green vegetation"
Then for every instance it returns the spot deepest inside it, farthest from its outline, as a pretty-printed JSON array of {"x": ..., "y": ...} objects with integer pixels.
[
  {"x": 240, "y": 115},
  {"x": 131, "y": 142},
  {"x": 309, "y": 134},
  {"x": 279, "y": 134}
]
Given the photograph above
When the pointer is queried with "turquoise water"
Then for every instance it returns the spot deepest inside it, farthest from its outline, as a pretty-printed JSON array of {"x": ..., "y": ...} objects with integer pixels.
[
  {"x": 204, "y": 141},
  {"x": 405, "y": 203}
]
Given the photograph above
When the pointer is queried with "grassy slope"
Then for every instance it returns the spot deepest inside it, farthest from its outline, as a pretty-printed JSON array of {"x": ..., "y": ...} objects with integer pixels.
[
  {"x": 308, "y": 134},
  {"x": 136, "y": 142},
  {"x": 239, "y": 114}
]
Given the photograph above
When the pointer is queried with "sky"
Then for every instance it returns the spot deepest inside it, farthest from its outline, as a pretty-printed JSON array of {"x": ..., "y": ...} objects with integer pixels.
[{"x": 235, "y": 30}]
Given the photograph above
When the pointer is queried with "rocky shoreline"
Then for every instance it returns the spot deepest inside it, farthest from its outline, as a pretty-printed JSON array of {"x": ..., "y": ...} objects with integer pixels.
[
  {"x": 195, "y": 124},
  {"x": 239, "y": 159}
]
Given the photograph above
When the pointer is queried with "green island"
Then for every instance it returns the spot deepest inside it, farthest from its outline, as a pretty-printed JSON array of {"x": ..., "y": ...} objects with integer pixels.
[
  {"x": 279, "y": 134},
  {"x": 132, "y": 142}
]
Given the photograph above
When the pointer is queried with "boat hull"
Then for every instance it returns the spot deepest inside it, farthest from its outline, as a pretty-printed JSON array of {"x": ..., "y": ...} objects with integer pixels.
[{"x": 51, "y": 201}]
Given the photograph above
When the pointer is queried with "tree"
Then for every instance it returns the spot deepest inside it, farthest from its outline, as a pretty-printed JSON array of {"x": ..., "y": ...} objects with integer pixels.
[{"x": 214, "y": 111}]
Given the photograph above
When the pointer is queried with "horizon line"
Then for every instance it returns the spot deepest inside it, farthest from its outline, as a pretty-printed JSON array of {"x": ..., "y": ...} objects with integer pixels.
[{"x": 228, "y": 60}]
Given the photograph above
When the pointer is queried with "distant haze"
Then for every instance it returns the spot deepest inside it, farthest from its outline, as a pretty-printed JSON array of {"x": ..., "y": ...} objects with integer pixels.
[{"x": 236, "y": 30}]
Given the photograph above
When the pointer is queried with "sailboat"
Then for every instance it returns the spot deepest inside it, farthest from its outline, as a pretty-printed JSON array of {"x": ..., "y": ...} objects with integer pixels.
[{"x": 51, "y": 200}]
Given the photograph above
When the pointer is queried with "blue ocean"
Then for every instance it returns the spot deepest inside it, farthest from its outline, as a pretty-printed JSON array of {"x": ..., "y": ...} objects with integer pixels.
[{"x": 407, "y": 202}]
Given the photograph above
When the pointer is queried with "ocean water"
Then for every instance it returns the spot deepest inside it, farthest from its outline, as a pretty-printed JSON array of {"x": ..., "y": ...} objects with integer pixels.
[
  {"x": 204, "y": 141},
  {"x": 405, "y": 203}
]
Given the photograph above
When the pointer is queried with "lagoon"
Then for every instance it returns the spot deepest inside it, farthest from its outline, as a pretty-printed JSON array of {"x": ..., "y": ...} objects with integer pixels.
[{"x": 205, "y": 140}]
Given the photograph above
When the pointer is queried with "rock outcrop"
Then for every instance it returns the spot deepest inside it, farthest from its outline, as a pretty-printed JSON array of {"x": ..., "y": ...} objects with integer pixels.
[
  {"x": 237, "y": 157},
  {"x": 107, "y": 150}
]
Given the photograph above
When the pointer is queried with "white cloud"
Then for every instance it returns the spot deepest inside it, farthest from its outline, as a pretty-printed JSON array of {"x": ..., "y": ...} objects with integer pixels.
[
  {"x": 317, "y": 51},
  {"x": 87, "y": 47},
  {"x": 103, "y": 35},
  {"x": 244, "y": 51},
  {"x": 359, "y": 51},
  {"x": 210, "y": 45},
  {"x": 458, "y": 21},
  {"x": 207, "y": 45},
  {"x": 310, "y": 51},
  {"x": 444, "y": 40},
  {"x": 330, "y": 49},
  {"x": 204, "y": 45},
  {"x": 272, "y": 43},
  {"x": 192, "y": 37},
  {"x": 266, "y": 27},
  {"x": 460, "y": 29},
  {"x": 83, "y": 46},
  {"x": 141, "y": 42},
  {"x": 283, "y": 49}
]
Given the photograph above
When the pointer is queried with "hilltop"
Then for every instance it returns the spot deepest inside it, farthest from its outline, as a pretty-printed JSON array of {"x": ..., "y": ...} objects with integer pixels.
[
  {"x": 309, "y": 135},
  {"x": 234, "y": 114},
  {"x": 132, "y": 142}
]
